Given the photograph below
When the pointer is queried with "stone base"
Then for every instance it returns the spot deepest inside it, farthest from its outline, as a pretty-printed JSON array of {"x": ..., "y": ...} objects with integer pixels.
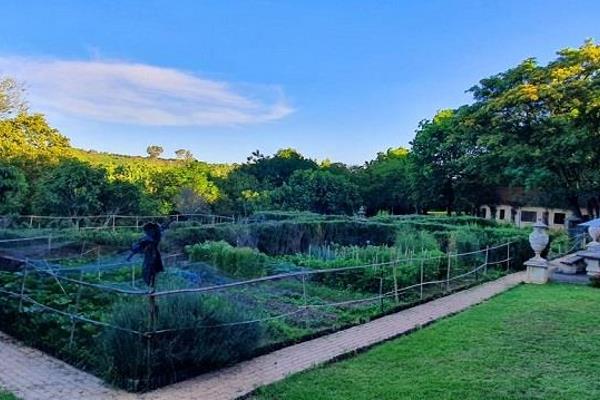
[
  {"x": 537, "y": 271},
  {"x": 592, "y": 267},
  {"x": 571, "y": 269}
]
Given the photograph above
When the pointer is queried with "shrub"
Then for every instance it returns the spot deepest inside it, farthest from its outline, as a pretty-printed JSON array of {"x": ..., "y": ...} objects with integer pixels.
[
  {"x": 239, "y": 262},
  {"x": 198, "y": 339}
]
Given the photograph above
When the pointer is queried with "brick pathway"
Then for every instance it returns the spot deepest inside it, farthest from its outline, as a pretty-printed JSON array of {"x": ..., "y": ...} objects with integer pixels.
[{"x": 34, "y": 376}]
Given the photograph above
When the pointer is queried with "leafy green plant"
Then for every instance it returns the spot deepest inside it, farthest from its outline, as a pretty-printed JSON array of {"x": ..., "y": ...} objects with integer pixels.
[
  {"x": 240, "y": 262},
  {"x": 194, "y": 334}
]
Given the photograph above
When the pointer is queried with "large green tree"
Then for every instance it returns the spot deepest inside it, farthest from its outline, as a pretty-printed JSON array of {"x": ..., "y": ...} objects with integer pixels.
[
  {"x": 72, "y": 188},
  {"x": 446, "y": 169},
  {"x": 318, "y": 191},
  {"x": 13, "y": 189},
  {"x": 542, "y": 123},
  {"x": 385, "y": 182}
]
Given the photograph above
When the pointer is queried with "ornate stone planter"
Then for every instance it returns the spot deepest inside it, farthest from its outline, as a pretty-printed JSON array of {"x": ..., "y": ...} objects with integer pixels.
[
  {"x": 538, "y": 239},
  {"x": 594, "y": 232},
  {"x": 537, "y": 267}
]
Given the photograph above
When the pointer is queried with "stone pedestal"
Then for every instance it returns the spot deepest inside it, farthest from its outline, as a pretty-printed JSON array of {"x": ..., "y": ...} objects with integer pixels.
[
  {"x": 537, "y": 271},
  {"x": 592, "y": 262}
]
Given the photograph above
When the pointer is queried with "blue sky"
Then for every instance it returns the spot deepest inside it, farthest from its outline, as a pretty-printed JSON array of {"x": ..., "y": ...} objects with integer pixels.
[{"x": 333, "y": 79}]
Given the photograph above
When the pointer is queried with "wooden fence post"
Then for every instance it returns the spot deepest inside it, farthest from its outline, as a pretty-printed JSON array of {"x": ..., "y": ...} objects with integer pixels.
[
  {"x": 487, "y": 259},
  {"x": 507, "y": 257},
  {"x": 448, "y": 272},
  {"x": 23, "y": 286},
  {"x": 422, "y": 262}
]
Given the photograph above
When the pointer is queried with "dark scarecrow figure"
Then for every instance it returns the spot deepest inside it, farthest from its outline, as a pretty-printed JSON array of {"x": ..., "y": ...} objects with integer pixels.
[{"x": 149, "y": 246}]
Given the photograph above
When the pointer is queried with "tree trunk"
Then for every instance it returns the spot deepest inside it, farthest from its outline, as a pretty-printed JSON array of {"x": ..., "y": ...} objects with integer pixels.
[{"x": 573, "y": 201}]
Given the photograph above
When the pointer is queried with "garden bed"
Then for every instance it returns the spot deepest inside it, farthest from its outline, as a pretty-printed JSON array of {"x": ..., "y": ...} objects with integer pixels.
[{"x": 227, "y": 303}]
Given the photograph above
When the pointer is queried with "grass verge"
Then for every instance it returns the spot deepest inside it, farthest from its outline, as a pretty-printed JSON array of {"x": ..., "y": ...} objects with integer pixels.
[{"x": 533, "y": 342}]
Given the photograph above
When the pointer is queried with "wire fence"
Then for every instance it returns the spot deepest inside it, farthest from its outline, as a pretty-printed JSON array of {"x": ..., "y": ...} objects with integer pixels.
[
  {"x": 110, "y": 221},
  {"x": 79, "y": 298},
  {"x": 575, "y": 243},
  {"x": 312, "y": 289}
]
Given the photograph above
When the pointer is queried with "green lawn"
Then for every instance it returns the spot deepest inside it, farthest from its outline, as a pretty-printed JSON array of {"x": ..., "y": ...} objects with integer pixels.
[{"x": 533, "y": 342}]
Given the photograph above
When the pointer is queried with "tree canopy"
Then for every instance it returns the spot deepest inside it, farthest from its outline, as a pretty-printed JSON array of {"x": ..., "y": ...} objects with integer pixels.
[{"x": 533, "y": 126}]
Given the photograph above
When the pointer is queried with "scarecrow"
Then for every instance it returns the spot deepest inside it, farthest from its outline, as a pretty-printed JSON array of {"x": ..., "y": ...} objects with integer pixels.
[{"x": 149, "y": 246}]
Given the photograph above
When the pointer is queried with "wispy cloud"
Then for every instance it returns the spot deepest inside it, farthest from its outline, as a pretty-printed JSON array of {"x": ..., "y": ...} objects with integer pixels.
[{"x": 141, "y": 94}]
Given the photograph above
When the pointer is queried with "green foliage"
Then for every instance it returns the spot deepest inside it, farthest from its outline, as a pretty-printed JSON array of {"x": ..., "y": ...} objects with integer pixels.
[
  {"x": 239, "y": 262},
  {"x": 274, "y": 171},
  {"x": 73, "y": 187},
  {"x": 201, "y": 340},
  {"x": 318, "y": 191},
  {"x": 13, "y": 189},
  {"x": 7, "y": 396},
  {"x": 27, "y": 140},
  {"x": 385, "y": 182}
]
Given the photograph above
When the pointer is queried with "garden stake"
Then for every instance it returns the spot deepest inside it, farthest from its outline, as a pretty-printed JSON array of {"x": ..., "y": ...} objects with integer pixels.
[
  {"x": 23, "y": 287},
  {"x": 305, "y": 301},
  {"x": 396, "y": 296},
  {"x": 73, "y": 321},
  {"x": 448, "y": 272},
  {"x": 487, "y": 259},
  {"x": 421, "y": 286}
]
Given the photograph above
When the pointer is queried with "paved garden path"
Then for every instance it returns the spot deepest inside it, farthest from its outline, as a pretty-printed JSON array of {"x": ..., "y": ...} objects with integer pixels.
[{"x": 34, "y": 376}]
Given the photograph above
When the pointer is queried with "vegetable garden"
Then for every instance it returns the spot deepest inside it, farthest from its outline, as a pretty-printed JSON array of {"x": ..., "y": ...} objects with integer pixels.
[{"x": 231, "y": 290}]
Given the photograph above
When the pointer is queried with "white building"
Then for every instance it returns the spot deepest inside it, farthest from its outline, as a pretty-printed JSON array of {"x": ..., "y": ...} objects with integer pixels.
[{"x": 514, "y": 208}]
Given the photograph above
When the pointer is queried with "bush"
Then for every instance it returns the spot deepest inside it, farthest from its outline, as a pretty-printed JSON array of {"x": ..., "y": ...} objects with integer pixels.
[
  {"x": 239, "y": 262},
  {"x": 198, "y": 339}
]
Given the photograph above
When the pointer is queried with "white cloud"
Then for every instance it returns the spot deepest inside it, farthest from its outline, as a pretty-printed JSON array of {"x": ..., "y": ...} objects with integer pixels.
[{"x": 141, "y": 94}]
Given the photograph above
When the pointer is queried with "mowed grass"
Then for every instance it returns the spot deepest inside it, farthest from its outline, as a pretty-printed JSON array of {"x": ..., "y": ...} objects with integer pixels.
[{"x": 533, "y": 342}]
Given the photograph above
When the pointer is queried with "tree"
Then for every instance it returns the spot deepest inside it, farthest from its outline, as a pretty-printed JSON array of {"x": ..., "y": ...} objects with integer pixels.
[
  {"x": 274, "y": 171},
  {"x": 385, "y": 183},
  {"x": 121, "y": 197},
  {"x": 12, "y": 102},
  {"x": 28, "y": 140},
  {"x": 542, "y": 123},
  {"x": 445, "y": 169},
  {"x": 71, "y": 188},
  {"x": 318, "y": 191},
  {"x": 13, "y": 189},
  {"x": 190, "y": 202},
  {"x": 154, "y": 151},
  {"x": 183, "y": 154}
]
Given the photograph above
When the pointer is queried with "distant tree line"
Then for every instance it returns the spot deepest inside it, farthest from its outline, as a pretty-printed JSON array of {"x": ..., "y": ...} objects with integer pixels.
[{"x": 532, "y": 126}]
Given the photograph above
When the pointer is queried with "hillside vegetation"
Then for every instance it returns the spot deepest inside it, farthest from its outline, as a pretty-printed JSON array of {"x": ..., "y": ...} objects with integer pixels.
[{"x": 532, "y": 126}]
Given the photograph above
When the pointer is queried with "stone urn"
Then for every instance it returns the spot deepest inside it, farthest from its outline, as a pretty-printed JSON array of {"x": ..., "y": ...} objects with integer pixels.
[
  {"x": 538, "y": 239},
  {"x": 594, "y": 232}
]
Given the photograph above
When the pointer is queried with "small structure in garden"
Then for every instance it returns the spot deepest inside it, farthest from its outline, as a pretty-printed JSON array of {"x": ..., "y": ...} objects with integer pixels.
[
  {"x": 537, "y": 266},
  {"x": 591, "y": 255}
]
